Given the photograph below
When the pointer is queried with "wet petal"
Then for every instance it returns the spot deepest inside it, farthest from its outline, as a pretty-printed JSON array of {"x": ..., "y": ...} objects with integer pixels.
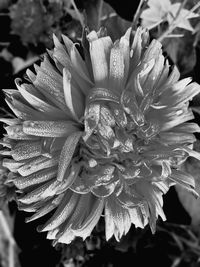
[
  {"x": 117, "y": 69},
  {"x": 46, "y": 208},
  {"x": 35, "y": 178},
  {"x": 64, "y": 210},
  {"x": 42, "y": 192},
  {"x": 26, "y": 149},
  {"x": 103, "y": 190},
  {"x": 99, "y": 52},
  {"x": 117, "y": 219},
  {"x": 37, "y": 164},
  {"x": 67, "y": 154},
  {"x": 92, "y": 116},
  {"x": 41, "y": 105},
  {"x": 49, "y": 128}
]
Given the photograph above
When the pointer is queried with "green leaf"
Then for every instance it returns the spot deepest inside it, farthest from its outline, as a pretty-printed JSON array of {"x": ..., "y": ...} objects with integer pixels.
[
  {"x": 187, "y": 199},
  {"x": 182, "y": 52}
]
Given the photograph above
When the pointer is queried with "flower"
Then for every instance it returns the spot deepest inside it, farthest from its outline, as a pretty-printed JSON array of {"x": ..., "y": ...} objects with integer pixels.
[
  {"x": 101, "y": 128},
  {"x": 162, "y": 11}
]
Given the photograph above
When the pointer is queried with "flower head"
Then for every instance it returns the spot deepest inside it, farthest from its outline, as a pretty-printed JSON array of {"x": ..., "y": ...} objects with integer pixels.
[
  {"x": 162, "y": 11},
  {"x": 100, "y": 128}
]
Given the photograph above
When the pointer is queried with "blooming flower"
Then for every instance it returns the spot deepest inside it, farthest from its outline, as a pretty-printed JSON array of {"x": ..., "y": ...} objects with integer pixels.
[
  {"x": 101, "y": 129},
  {"x": 162, "y": 11}
]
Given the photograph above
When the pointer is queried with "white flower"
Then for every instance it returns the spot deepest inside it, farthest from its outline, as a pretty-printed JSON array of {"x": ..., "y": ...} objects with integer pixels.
[
  {"x": 162, "y": 11},
  {"x": 103, "y": 134}
]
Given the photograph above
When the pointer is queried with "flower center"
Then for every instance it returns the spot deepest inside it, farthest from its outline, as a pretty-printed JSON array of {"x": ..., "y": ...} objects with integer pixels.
[{"x": 117, "y": 137}]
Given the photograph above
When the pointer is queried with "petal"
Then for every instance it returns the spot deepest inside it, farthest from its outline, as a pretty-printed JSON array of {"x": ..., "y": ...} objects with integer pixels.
[
  {"x": 191, "y": 152},
  {"x": 91, "y": 219},
  {"x": 136, "y": 217},
  {"x": 60, "y": 51},
  {"x": 26, "y": 150},
  {"x": 117, "y": 219},
  {"x": 43, "y": 192},
  {"x": 64, "y": 210},
  {"x": 176, "y": 137},
  {"x": 46, "y": 208},
  {"x": 23, "y": 111},
  {"x": 80, "y": 186},
  {"x": 92, "y": 117},
  {"x": 37, "y": 164},
  {"x": 79, "y": 64},
  {"x": 183, "y": 178},
  {"x": 69, "y": 178},
  {"x": 76, "y": 218},
  {"x": 102, "y": 94},
  {"x": 67, "y": 92},
  {"x": 99, "y": 52},
  {"x": 154, "y": 75},
  {"x": 117, "y": 69},
  {"x": 31, "y": 75},
  {"x": 73, "y": 97},
  {"x": 140, "y": 40},
  {"x": 68, "y": 43},
  {"x": 187, "y": 128},
  {"x": 12, "y": 165},
  {"x": 35, "y": 178},
  {"x": 49, "y": 83},
  {"x": 49, "y": 110},
  {"x": 16, "y": 132},
  {"x": 67, "y": 154},
  {"x": 154, "y": 201},
  {"x": 129, "y": 199},
  {"x": 103, "y": 190},
  {"x": 49, "y": 128}
]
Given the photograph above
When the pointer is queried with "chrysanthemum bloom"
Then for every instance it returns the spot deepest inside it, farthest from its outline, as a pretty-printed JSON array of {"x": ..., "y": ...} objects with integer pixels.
[{"x": 101, "y": 129}]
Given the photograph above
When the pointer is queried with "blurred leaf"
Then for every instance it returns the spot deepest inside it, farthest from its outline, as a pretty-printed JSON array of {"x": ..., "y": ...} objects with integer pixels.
[
  {"x": 6, "y": 55},
  {"x": 4, "y": 4},
  {"x": 8, "y": 247},
  {"x": 33, "y": 21},
  {"x": 197, "y": 36},
  {"x": 93, "y": 13},
  {"x": 73, "y": 11},
  {"x": 182, "y": 52},
  {"x": 20, "y": 64},
  {"x": 116, "y": 26},
  {"x": 7, "y": 190},
  {"x": 99, "y": 13},
  {"x": 189, "y": 202}
]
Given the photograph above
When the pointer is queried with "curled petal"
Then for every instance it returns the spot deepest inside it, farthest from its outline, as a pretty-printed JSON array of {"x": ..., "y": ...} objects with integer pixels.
[
  {"x": 49, "y": 128},
  {"x": 102, "y": 94},
  {"x": 80, "y": 186},
  {"x": 104, "y": 190}
]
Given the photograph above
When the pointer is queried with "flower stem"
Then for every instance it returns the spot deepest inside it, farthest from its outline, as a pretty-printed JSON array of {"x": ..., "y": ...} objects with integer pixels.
[
  {"x": 138, "y": 12},
  {"x": 78, "y": 13},
  {"x": 173, "y": 25}
]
